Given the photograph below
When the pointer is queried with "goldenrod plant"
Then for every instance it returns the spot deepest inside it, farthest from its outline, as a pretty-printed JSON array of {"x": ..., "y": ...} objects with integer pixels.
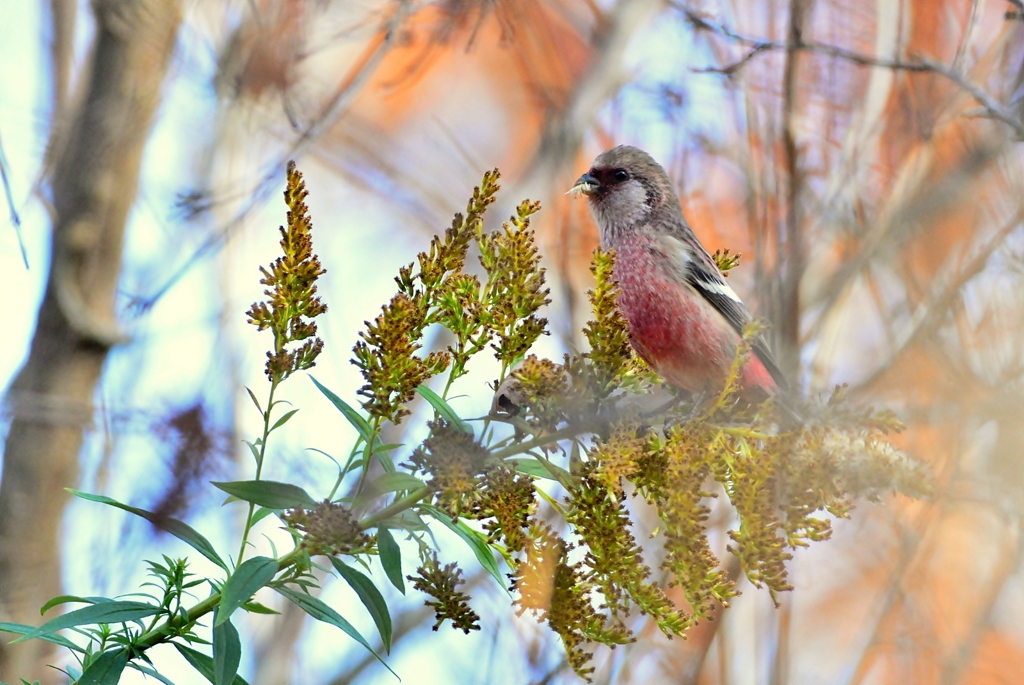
[{"x": 542, "y": 485}]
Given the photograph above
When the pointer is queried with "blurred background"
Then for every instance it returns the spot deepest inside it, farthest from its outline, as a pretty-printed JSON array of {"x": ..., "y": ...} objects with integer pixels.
[{"x": 865, "y": 157}]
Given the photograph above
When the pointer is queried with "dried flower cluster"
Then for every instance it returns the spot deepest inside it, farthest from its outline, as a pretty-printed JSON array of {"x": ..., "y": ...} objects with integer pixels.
[
  {"x": 552, "y": 588},
  {"x": 515, "y": 286},
  {"x": 328, "y": 528},
  {"x": 454, "y": 464},
  {"x": 292, "y": 302},
  {"x": 436, "y": 290},
  {"x": 449, "y": 604}
]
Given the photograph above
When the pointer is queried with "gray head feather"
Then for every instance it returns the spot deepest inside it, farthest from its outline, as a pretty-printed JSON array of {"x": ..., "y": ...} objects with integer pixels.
[{"x": 629, "y": 190}]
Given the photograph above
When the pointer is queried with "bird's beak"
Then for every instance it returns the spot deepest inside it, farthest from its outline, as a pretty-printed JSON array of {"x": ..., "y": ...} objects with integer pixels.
[{"x": 585, "y": 185}]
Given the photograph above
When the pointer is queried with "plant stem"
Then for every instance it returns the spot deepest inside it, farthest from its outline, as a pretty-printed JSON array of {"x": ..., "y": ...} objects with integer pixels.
[
  {"x": 570, "y": 431},
  {"x": 399, "y": 505},
  {"x": 160, "y": 634},
  {"x": 259, "y": 467},
  {"x": 368, "y": 452}
]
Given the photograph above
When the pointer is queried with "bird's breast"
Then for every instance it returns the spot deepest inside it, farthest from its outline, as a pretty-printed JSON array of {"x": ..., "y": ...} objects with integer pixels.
[{"x": 671, "y": 326}]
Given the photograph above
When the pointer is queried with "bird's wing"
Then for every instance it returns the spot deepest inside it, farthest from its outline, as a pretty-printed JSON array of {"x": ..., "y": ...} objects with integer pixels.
[{"x": 698, "y": 270}]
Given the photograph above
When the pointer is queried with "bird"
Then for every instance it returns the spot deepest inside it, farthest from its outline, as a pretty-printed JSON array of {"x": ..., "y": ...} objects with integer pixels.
[{"x": 683, "y": 318}]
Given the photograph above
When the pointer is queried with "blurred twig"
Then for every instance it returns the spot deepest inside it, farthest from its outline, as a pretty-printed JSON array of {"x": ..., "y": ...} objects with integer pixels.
[
  {"x": 888, "y": 234},
  {"x": 993, "y": 108},
  {"x": 893, "y": 594},
  {"x": 793, "y": 245},
  {"x": 930, "y": 313}
]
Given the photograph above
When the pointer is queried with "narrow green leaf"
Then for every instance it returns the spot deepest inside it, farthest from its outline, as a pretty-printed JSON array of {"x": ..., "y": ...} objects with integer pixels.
[
  {"x": 64, "y": 599},
  {"x": 361, "y": 425},
  {"x": 267, "y": 493},
  {"x": 104, "y": 612},
  {"x": 243, "y": 584},
  {"x": 25, "y": 629},
  {"x": 392, "y": 482},
  {"x": 203, "y": 663},
  {"x": 322, "y": 612},
  {"x": 254, "y": 400},
  {"x": 388, "y": 482},
  {"x": 539, "y": 469},
  {"x": 472, "y": 538},
  {"x": 178, "y": 529},
  {"x": 227, "y": 652},
  {"x": 262, "y": 513},
  {"x": 530, "y": 466},
  {"x": 106, "y": 669},
  {"x": 333, "y": 460},
  {"x": 254, "y": 450},
  {"x": 142, "y": 668},
  {"x": 444, "y": 409},
  {"x": 257, "y": 608},
  {"x": 388, "y": 447},
  {"x": 371, "y": 598},
  {"x": 284, "y": 419},
  {"x": 390, "y": 558},
  {"x": 382, "y": 456}
]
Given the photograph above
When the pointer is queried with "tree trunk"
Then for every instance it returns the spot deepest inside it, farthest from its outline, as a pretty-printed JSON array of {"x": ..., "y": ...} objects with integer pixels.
[{"x": 94, "y": 178}]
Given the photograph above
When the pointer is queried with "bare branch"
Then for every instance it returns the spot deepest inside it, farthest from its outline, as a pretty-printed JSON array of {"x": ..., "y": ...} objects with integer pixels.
[
  {"x": 992, "y": 107},
  {"x": 788, "y": 320},
  {"x": 929, "y": 314}
]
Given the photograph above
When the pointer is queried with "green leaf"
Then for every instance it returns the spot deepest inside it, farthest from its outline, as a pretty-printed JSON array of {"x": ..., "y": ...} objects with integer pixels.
[
  {"x": 103, "y": 612},
  {"x": 539, "y": 468},
  {"x": 227, "y": 652},
  {"x": 257, "y": 608},
  {"x": 254, "y": 450},
  {"x": 284, "y": 419},
  {"x": 443, "y": 409},
  {"x": 243, "y": 584},
  {"x": 142, "y": 668},
  {"x": 392, "y": 482},
  {"x": 64, "y": 599},
  {"x": 262, "y": 513},
  {"x": 106, "y": 669},
  {"x": 388, "y": 482},
  {"x": 390, "y": 558},
  {"x": 361, "y": 425},
  {"x": 382, "y": 456},
  {"x": 254, "y": 400},
  {"x": 24, "y": 629},
  {"x": 472, "y": 538},
  {"x": 370, "y": 597},
  {"x": 178, "y": 529},
  {"x": 267, "y": 493},
  {"x": 203, "y": 663},
  {"x": 388, "y": 447},
  {"x": 321, "y": 612}
]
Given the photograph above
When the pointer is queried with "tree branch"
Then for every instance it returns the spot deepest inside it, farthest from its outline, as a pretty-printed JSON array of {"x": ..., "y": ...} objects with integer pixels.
[{"x": 992, "y": 107}]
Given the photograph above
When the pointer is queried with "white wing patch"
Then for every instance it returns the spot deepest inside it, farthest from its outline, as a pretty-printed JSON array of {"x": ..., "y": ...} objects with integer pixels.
[{"x": 703, "y": 274}]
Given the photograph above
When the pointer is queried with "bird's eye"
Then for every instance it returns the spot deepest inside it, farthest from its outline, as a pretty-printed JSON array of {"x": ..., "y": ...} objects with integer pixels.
[{"x": 620, "y": 175}]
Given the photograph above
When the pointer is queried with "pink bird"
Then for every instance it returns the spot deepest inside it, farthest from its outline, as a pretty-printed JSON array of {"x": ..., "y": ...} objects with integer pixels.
[{"x": 684, "y": 319}]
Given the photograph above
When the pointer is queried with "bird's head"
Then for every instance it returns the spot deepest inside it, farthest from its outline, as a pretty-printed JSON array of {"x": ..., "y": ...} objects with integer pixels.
[{"x": 624, "y": 186}]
